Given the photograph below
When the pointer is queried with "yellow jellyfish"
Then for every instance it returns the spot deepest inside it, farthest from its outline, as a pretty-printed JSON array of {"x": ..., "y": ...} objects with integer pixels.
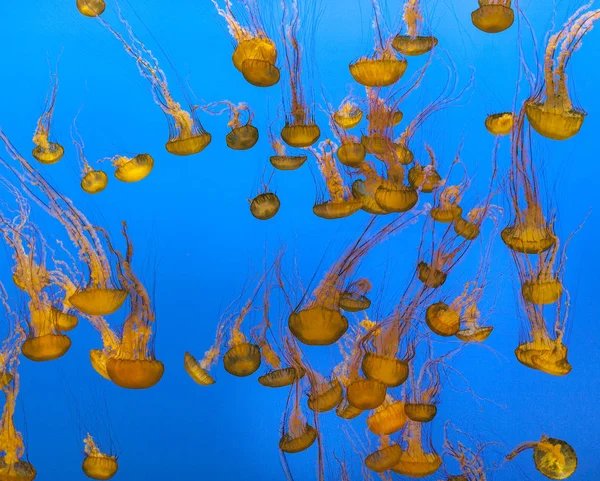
[
  {"x": 383, "y": 116},
  {"x": 500, "y": 124},
  {"x": 388, "y": 418},
  {"x": 352, "y": 151},
  {"x": 386, "y": 457},
  {"x": 364, "y": 189},
  {"x": 266, "y": 203},
  {"x": 341, "y": 203},
  {"x": 421, "y": 405},
  {"x": 96, "y": 464},
  {"x": 12, "y": 447},
  {"x": 132, "y": 169},
  {"x": 47, "y": 152},
  {"x": 300, "y": 129},
  {"x": 446, "y": 208},
  {"x": 554, "y": 458},
  {"x": 418, "y": 459},
  {"x": 92, "y": 181},
  {"x": 298, "y": 435},
  {"x": 324, "y": 395},
  {"x": 354, "y": 298},
  {"x": 348, "y": 115},
  {"x": 243, "y": 135},
  {"x": 413, "y": 43},
  {"x": 91, "y": 8},
  {"x": 382, "y": 68},
  {"x": 101, "y": 296},
  {"x": 425, "y": 179},
  {"x": 133, "y": 365},
  {"x": 282, "y": 160},
  {"x": 255, "y": 53},
  {"x": 550, "y": 110},
  {"x": 186, "y": 134},
  {"x": 493, "y": 16},
  {"x": 318, "y": 321}
]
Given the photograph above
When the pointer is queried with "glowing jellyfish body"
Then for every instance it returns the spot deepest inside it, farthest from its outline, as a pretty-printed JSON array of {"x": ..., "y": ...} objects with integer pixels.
[
  {"x": 96, "y": 464},
  {"x": 196, "y": 371},
  {"x": 325, "y": 396},
  {"x": 388, "y": 418},
  {"x": 383, "y": 459},
  {"x": 287, "y": 162},
  {"x": 265, "y": 206},
  {"x": 317, "y": 325},
  {"x": 530, "y": 233},
  {"x": 94, "y": 181},
  {"x": 281, "y": 377},
  {"x": 132, "y": 169},
  {"x": 493, "y": 16},
  {"x": 413, "y": 43},
  {"x": 91, "y": 8},
  {"x": 348, "y": 116},
  {"x": 443, "y": 319},
  {"x": 378, "y": 70},
  {"x": 242, "y": 359},
  {"x": 415, "y": 462},
  {"x": 500, "y": 124},
  {"x": 554, "y": 458}
]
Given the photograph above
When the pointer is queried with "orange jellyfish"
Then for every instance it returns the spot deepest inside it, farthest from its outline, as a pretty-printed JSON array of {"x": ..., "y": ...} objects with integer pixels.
[
  {"x": 354, "y": 298},
  {"x": 91, "y": 8},
  {"x": 324, "y": 394},
  {"x": 186, "y": 134},
  {"x": 413, "y": 43},
  {"x": 300, "y": 129},
  {"x": 383, "y": 116},
  {"x": 96, "y": 464},
  {"x": 348, "y": 115},
  {"x": 266, "y": 203},
  {"x": 388, "y": 418},
  {"x": 493, "y": 16},
  {"x": 255, "y": 53},
  {"x": 133, "y": 365},
  {"x": 382, "y": 68},
  {"x": 45, "y": 151},
  {"x": 92, "y": 181},
  {"x": 386, "y": 457},
  {"x": 426, "y": 178},
  {"x": 446, "y": 208},
  {"x": 418, "y": 459},
  {"x": 101, "y": 296},
  {"x": 341, "y": 203},
  {"x": 550, "y": 110},
  {"x": 297, "y": 435},
  {"x": 500, "y": 123},
  {"x": 554, "y": 458},
  {"x": 318, "y": 321},
  {"x": 364, "y": 189},
  {"x": 282, "y": 160},
  {"x": 243, "y": 135},
  {"x": 352, "y": 151},
  {"x": 132, "y": 169},
  {"x": 421, "y": 405}
]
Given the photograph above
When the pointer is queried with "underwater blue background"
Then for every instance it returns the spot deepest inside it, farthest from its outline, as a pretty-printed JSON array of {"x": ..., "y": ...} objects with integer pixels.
[{"x": 194, "y": 235}]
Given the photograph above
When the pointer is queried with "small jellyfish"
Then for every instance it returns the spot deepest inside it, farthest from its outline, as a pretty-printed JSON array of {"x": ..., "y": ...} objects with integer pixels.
[
  {"x": 388, "y": 418},
  {"x": 418, "y": 459},
  {"x": 300, "y": 129},
  {"x": 96, "y": 464},
  {"x": 92, "y": 181},
  {"x": 91, "y": 8},
  {"x": 243, "y": 135},
  {"x": 446, "y": 208},
  {"x": 45, "y": 151},
  {"x": 364, "y": 189},
  {"x": 354, "y": 298},
  {"x": 493, "y": 16},
  {"x": 255, "y": 53},
  {"x": 282, "y": 160},
  {"x": 425, "y": 179},
  {"x": 186, "y": 134},
  {"x": 500, "y": 124},
  {"x": 348, "y": 115},
  {"x": 413, "y": 43},
  {"x": 554, "y": 458},
  {"x": 324, "y": 395},
  {"x": 341, "y": 203},
  {"x": 421, "y": 405},
  {"x": 386, "y": 457},
  {"x": 555, "y": 116},
  {"x": 265, "y": 205},
  {"x": 297, "y": 435},
  {"x": 132, "y": 169}
]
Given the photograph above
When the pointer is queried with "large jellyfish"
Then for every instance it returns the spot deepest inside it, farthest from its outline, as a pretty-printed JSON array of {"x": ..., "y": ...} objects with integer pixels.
[
  {"x": 132, "y": 169},
  {"x": 554, "y": 458},
  {"x": 255, "y": 53},
  {"x": 186, "y": 134},
  {"x": 550, "y": 110},
  {"x": 341, "y": 202},
  {"x": 101, "y": 296},
  {"x": 45, "y": 151},
  {"x": 96, "y": 464},
  {"x": 282, "y": 160},
  {"x": 300, "y": 129},
  {"x": 91, "y": 8},
  {"x": 413, "y": 43},
  {"x": 493, "y": 16},
  {"x": 382, "y": 68}
]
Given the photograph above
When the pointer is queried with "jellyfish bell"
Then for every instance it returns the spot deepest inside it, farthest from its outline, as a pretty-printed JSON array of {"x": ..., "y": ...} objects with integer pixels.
[
  {"x": 387, "y": 419},
  {"x": 542, "y": 291},
  {"x": 91, "y": 8},
  {"x": 265, "y": 206},
  {"x": 196, "y": 371},
  {"x": 332, "y": 209},
  {"x": 298, "y": 442},
  {"x": 49, "y": 154},
  {"x": 384, "y": 459},
  {"x": 554, "y": 458},
  {"x": 242, "y": 359},
  {"x": 94, "y": 181},
  {"x": 414, "y": 46},
  {"x": 393, "y": 196},
  {"x": 318, "y": 325},
  {"x": 51, "y": 344},
  {"x": 287, "y": 162},
  {"x": 300, "y": 134},
  {"x": 281, "y": 377},
  {"x": 546, "y": 355},
  {"x": 257, "y": 48},
  {"x": 426, "y": 179},
  {"x": 260, "y": 73},
  {"x": 98, "y": 360},
  {"x": 466, "y": 229},
  {"x": 96, "y": 467},
  {"x": 133, "y": 169},
  {"x": 390, "y": 371},
  {"x": 366, "y": 394},
  {"x": 430, "y": 276},
  {"x": 500, "y": 124},
  {"x": 18, "y": 471},
  {"x": 442, "y": 319},
  {"x": 420, "y": 412},
  {"x": 352, "y": 303},
  {"x": 97, "y": 301},
  {"x": 530, "y": 233},
  {"x": 242, "y": 138},
  {"x": 324, "y": 397},
  {"x": 378, "y": 71},
  {"x": 348, "y": 116},
  {"x": 191, "y": 145},
  {"x": 347, "y": 411},
  {"x": 493, "y": 16},
  {"x": 553, "y": 121},
  {"x": 351, "y": 154},
  {"x": 365, "y": 192},
  {"x": 65, "y": 321},
  {"x": 134, "y": 373},
  {"x": 476, "y": 334}
]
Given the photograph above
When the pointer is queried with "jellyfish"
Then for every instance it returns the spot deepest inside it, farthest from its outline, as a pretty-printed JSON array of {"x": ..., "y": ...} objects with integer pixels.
[
  {"x": 186, "y": 134},
  {"x": 341, "y": 203},
  {"x": 351, "y": 151},
  {"x": 382, "y": 68},
  {"x": 425, "y": 179},
  {"x": 12, "y": 447},
  {"x": 542, "y": 284},
  {"x": 493, "y": 16},
  {"x": 96, "y": 464},
  {"x": 354, "y": 298},
  {"x": 134, "y": 365},
  {"x": 91, "y": 8},
  {"x": 132, "y": 169},
  {"x": 255, "y": 53},
  {"x": 421, "y": 405},
  {"x": 386, "y": 457},
  {"x": 324, "y": 394},
  {"x": 265, "y": 205},
  {"x": 243, "y": 135},
  {"x": 554, "y": 458},
  {"x": 418, "y": 459},
  {"x": 318, "y": 321},
  {"x": 299, "y": 435},
  {"x": 500, "y": 123},
  {"x": 447, "y": 209},
  {"x": 550, "y": 110},
  {"x": 364, "y": 189},
  {"x": 45, "y": 151},
  {"x": 92, "y": 181},
  {"x": 348, "y": 115},
  {"x": 300, "y": 129},
  {"x": 282, "y": 160},
  {"x": 383, "y": 116},
  {"x": 388, "y": 418},
  {"x": 413, "y": 43}
]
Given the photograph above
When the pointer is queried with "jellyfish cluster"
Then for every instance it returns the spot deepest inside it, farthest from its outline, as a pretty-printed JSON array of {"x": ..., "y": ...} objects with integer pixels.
[{"x": 389, "y": 365}]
